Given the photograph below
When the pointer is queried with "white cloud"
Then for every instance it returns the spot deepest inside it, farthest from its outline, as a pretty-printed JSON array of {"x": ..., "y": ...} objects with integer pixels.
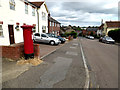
[{"x": 83, "y": 12}]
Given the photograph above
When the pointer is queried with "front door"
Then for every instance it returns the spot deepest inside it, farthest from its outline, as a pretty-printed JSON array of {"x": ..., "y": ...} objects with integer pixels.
[{"x": 11, "y": 34}]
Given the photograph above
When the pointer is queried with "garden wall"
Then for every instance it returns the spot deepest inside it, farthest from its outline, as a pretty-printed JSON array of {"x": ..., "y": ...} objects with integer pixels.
[{"x": 16, "y": 51}]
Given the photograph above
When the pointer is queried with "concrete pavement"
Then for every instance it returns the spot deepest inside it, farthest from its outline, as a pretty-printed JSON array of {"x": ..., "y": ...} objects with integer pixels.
[
  {"x": 11, "y": 70},
  {"x": 63, "y": 68}
]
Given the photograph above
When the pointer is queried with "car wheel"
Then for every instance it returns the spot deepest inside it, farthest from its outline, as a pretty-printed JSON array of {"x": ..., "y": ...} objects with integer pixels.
[{"x": 52, "y": 43}]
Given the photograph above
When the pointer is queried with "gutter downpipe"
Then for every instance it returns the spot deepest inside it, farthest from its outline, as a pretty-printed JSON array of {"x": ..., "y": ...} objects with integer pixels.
[{"x": 38, "y": 18}]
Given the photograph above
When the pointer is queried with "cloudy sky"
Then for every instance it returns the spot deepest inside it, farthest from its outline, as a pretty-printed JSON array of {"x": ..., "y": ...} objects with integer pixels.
[{"x": 83, "y": 12}]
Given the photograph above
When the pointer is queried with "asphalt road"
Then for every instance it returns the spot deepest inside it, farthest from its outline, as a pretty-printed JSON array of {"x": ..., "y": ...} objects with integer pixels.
[
  {"x": 103, "y": 61},
  {"x": 63, "y": 68}
]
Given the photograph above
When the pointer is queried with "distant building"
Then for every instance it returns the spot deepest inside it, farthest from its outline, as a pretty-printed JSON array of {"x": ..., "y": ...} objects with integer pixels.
[
  {"x": 100, "y": 30},
  {"x": 110, "y": 25},
  {"x": 91, "y": 29},
  {"x": 53, "y": 26}
]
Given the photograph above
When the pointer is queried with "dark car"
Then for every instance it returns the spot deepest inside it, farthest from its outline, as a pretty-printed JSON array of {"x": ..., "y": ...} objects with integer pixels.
[
  {"x": 107, "y": 40},
  {"x": 100, "y": 39},
  {"x": 59, "y": 37}
]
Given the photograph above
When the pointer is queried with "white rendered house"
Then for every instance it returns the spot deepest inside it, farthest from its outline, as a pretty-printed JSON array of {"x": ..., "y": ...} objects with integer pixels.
[
  {"x": 15, "y": 13},
  {"x": 43, "y": 16}
]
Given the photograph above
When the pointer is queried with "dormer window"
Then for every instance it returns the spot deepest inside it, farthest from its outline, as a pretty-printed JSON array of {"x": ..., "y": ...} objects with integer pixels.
[{"x": 12, "y": 4}]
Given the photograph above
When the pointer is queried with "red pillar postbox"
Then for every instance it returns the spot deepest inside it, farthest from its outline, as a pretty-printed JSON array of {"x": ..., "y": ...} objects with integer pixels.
[{"x": 28, "y": 42}]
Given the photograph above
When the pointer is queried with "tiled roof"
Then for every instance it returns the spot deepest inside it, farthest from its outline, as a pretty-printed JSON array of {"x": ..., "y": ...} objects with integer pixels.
[
  {"x": 113, "y": 24},
  {"x": 92, "y": 29},
  {"x": 52, "y": 20},
  {"x": 101, "y": 26},
  {"x": 38, "y": 4}
]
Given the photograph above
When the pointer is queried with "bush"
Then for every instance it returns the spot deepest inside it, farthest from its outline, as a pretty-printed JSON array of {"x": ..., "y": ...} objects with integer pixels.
[
  {"x": 115, "y": 34},
  {"x": 74, "y": 34},
  {"x": 91, "y": 34}
]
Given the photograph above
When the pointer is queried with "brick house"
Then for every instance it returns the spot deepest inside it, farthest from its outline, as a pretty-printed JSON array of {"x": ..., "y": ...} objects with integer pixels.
[
  {"x": 53, "y": 26},
  {"x": 84, "y": 32},
  {"x": 91, "y": 29}
]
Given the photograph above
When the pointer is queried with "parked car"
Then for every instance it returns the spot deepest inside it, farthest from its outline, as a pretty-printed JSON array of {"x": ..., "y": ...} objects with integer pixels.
[
  {"x": 44, "y": 38},
  {"x": 90, "y": 37},
  {"x": 59, "y": 37},
  {"x": 100, "y": 39},
  {"x": 107, "y": 39}
]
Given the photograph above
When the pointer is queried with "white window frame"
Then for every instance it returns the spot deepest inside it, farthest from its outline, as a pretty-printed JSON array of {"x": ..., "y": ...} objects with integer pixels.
[
  {"x": 52, "y": 23},
  {"x": 12, "y": 4},
  {"x": 26, "y": 8},
  {"x": 44, "y": 16},
  {"x": 1, "y": 30},
  {"x": 33, "y": 11},
  {"x": 44, "y": 29},
  {"x": 58, "y": 25}
]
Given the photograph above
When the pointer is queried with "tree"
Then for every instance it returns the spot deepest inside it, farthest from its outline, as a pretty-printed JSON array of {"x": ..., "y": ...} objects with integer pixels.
[{"x": 91, "y": 34}]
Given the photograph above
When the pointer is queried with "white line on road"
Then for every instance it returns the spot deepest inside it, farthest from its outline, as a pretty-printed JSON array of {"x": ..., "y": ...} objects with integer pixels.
[{"x": 86, "y": 68}]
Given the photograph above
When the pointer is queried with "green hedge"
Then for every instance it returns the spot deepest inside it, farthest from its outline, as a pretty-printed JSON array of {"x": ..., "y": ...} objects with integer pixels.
[
  {"x": 74, "y": 34},
  {"x": 115, "y": 34}
]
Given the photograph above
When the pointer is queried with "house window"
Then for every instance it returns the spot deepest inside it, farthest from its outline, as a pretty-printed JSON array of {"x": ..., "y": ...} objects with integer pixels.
[
  {"x": 44, "y": 29},
  {"x": 43, "y": 16},
  {"x": 26, "y": 8},
  {"x": 55, "y": 24},
  {"x": 1, "y": 31},
  {"x": 33, "y": 11},
  {"x": 52, "y": 23},
  {"x": 12, "y": 4},
  {"x": 58, "y": 25}
]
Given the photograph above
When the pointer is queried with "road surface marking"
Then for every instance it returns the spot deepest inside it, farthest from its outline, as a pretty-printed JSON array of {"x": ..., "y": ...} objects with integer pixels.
[
  {"x": 73, "y": 47},
  {"x": 75, "y": 44},
  {"x": 86, "y": 68},
  {"x": 71, "y": 53}
]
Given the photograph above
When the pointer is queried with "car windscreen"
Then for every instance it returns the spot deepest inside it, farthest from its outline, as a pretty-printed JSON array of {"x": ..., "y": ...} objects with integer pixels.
[
  {"x": 49, "y": 35},
  {"x": 109, "y": 38}
]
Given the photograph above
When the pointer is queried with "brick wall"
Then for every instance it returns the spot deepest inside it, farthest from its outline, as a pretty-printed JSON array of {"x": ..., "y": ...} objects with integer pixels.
[
  {"x": 54, "y": 28},
  {"x": 16, "y": 51}
]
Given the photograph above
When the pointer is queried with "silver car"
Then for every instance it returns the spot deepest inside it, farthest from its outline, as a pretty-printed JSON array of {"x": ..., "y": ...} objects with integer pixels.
[
  {"x": 44, "y": 38},
  {"x": 107, "y": 39},
  {"x": 90, "y": 37}
]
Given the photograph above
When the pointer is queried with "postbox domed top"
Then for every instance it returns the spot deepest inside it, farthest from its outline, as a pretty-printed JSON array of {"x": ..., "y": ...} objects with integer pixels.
[{"x": 27, "y": 26}]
